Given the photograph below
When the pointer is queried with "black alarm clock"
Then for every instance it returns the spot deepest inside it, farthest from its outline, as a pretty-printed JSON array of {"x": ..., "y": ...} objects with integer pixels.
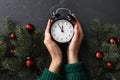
[{"x": 62, "y": 28}]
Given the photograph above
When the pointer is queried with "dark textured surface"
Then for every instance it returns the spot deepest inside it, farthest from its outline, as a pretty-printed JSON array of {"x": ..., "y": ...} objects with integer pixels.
[{"x": 37, "y": 12}]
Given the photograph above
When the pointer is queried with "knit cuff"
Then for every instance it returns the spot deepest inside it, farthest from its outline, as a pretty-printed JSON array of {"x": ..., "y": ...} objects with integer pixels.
[
  {"x": 47, "y": 75},
  {"x": 75, "y": 67}
]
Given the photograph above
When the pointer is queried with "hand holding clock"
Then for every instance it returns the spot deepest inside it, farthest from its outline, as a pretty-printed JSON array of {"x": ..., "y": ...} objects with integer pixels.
[
  {"x": 73, "y": 48},
  {"x": 55, "y": 51}
]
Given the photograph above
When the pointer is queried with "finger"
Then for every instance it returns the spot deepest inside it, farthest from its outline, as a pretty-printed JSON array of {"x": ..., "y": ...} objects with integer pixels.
[
  {"x": 47, "y": 30},
  {"x": 76, "y": 33},
  {"x": 81, "y": 31},
  {"x": 80, "y": 27},
  {"x": 76, "y": 19},
  {"x": 48, "y": 26},
  {"x": 76, "y": 30}
]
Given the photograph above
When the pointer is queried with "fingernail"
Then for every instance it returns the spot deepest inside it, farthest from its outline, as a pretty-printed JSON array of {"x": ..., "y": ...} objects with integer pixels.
[{"x": 51, "y": 20}]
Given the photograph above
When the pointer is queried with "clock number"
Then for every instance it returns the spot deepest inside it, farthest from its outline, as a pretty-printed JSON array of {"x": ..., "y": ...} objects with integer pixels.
[
  {"x": 66, "y": 23},
  {"x": 70, "y": 31},
  {"x": 69, "y": 27},
  {"x": 66, "y": 39},
  {"x": 54, "y": 34},
  {"x": 61, "y": 39},
  {"x": 53, "y": 30},
  {"x": 58, "y": 38},
  {"x": 69, "y": 35}
]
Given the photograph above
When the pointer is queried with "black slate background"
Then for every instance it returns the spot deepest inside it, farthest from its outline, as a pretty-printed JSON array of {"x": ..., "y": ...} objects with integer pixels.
[{"x": 37, "y": 12}]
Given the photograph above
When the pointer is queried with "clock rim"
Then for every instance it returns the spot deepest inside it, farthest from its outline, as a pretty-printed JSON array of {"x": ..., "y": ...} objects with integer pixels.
[{"x": 54, "y": 22}]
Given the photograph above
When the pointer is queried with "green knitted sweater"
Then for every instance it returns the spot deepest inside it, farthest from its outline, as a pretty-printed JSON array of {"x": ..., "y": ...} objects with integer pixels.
[{"x": 72, "y": 72}]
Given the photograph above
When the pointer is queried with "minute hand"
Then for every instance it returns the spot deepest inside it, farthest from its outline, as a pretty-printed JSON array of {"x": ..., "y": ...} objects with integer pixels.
[{"x": 60, "y": 28}]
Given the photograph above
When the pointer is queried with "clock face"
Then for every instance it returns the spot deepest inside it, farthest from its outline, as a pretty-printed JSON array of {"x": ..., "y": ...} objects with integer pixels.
[{"x": 62, "y": 31}]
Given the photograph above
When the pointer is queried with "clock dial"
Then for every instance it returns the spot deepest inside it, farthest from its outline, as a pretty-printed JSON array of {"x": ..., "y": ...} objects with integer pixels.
[{"x": 62, "y": 31}]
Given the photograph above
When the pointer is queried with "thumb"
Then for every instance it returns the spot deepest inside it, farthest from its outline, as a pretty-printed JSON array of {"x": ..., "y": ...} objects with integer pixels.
[
  {"x": 76, "y": 33},
  {"x": 48, "y": 25}
]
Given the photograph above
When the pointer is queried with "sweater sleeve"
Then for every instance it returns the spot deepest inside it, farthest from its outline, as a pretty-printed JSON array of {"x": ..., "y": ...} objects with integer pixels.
[
  {"x": 48, "y": 75},
  {"x": 76, "y": 71}
]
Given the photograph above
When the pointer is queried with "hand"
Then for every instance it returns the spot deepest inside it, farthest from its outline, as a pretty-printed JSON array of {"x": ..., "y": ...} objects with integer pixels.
[
  {"x": 54, "y": 50},
  {"x": 73, "y": 48}
]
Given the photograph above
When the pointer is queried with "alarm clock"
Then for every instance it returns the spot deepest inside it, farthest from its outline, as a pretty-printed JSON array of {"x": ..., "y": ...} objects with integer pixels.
[{"x": 62, "y": 28}]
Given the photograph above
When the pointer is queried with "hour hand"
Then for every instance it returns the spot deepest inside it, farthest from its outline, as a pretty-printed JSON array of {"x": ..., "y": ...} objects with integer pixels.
[{"x": 60, "y": 28}]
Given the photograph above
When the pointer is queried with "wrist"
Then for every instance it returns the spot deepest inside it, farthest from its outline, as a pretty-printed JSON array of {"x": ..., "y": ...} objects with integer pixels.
[
  {"x": 56, "y": 62},
  {"x": 72, "y": 60},
  {"x": 55, "y": 67}
]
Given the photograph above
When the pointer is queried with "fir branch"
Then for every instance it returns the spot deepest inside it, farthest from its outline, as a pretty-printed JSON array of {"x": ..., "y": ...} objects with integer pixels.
[
  {"x": 99, "y": 37},
  {"x": 9, "y": 25}
]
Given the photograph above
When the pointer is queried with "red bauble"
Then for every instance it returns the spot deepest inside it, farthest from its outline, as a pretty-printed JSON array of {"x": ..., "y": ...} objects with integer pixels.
[
  {"x": 29, "y": 63},
  {"x": 29, "y": 27},
  {"x": 11, "y": 51},
  {"x": 109, "y": 64},
  {"x": 12, "y": 36},
  {"x": 113, "y": 41},
  {"x": 99, "y": 55}
]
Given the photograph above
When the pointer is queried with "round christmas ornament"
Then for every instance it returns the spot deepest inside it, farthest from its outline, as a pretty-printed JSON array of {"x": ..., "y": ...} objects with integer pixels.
[
  {"x": 19, "y": 48},
  {"x": 113, "y": 41},
  {"x": 12, "y": 36},
  {"x": 109, "y": 64},
  {"x": 29, "y": 27},
  {"x": 11, "y": 51},
  {"x": 99, "y": 55},
  {"x": 29, "y": 62}
]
